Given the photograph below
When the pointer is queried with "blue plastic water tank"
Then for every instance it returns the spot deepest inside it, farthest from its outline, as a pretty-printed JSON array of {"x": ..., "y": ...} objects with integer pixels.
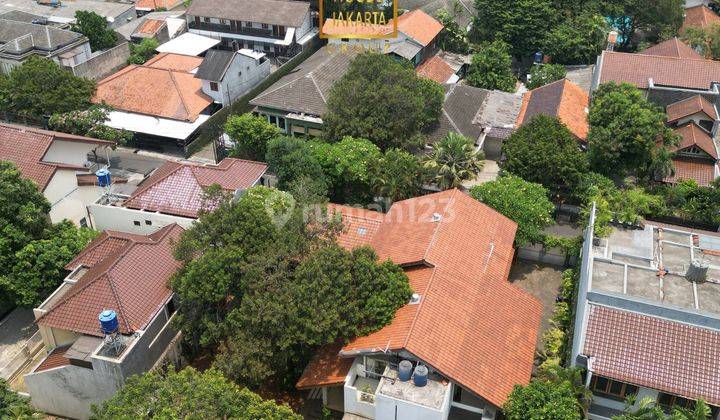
[
  {"x": 108, "y": 321},
  {"x": 404, "y": 370},
  {"x": 538, "y": 57},
  {"x": 420, "y": 377},
  {"x": 103, "y": 176}
]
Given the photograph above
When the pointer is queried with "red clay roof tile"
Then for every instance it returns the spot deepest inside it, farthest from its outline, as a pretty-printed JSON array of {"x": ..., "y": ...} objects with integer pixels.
[
  {"x": 692, "y": 135},
  {"x": 637, "y": 69},
  {"x": 702, "y": 171},
  {"x": 699, "y": 17},
  {"x": 690, "y": 106},
  {"x": 673, "y": 48},
  {"x": 419, "y": 26},
  {"x": 435, "y": 68},
  {"x": 562, "y": 99}
]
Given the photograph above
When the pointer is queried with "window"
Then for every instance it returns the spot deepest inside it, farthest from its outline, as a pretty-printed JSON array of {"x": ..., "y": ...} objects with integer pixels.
[
  {"x": 273, "y": 120},
  {"x": 207, "y": 20},
  {"x": 136, "y": 223},
  {"x": 214, "y": 86},
  {"x": 83, "y": 222},
  {"x": 608, "y": 388},
  {"x": 266, "y": 48},
  {"x": 170, "y": 307},
  {"x": 148, "y": 222},
  {"x": 281, "y": 122},
  {"x": 265, "y": 26},
  {"x": 197, "y": 20},
  {"x": 668, "y": 401},
  {"x": 223, "y": 22}
]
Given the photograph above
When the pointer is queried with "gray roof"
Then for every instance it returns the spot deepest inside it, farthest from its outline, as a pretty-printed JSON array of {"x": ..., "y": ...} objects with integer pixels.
[
  {"x": 106, "y": 9},
  {"x": 545, "y": 100},
  {"x": 214, "y": 65},
  {"x": 44, "y": 39},
  {"x": 274, "y": 12},
  {"x": 306, "y": 88},
  {"x": 499, "y": 110},
  {"x": 20, "y": 16},
  {"x": 462, "y": 11},
  {"x": 406, "y": 49}
]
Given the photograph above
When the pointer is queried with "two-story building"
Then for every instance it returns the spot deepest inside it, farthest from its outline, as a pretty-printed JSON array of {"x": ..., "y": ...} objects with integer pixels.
[
  {"x": 173, "y": 194},
  {"x": 462, "y": 342},
  {"x": 84, "y": 365},
  {"x": 648, "y": 317},
  {"x": 279, "y": 28},
  {"x": 57, "y": 163},
  {"x": 227, "y": 75}
]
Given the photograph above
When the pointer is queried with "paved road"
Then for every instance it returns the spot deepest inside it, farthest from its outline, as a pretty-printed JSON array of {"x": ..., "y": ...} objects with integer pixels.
[{"x": 15, "y": 329}]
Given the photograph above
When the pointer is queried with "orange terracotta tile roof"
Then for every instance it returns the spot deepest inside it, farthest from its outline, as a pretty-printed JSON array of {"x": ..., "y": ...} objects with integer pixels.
[
  {"x": 692, "y": 135},
  {"x": 126, "y": 273},
  {"x": 163, "y": 87},
  {"x": 26, "y": 148},
  {"x": 150, "y": 26},
  {"x": 325, "y": 368},
  {"x": 702, "y": 171},
  {"x": 470, "y": 324},
  {"x": 637, "y": 69},
  {"x": 178, "y": 188},
  {"x": 699, "y": 16},
  {"x": 435, "y": 68},
  {"x": 690, "y": 106},
  {"x": 156, "y": 4},
  {"x": 673, "y": 48},
  {"x": 359, "y": 225},
  {"x": 56, "y": 358},
  {"x": 562, "y": 99},
  {"x": 419, "y": 26}
]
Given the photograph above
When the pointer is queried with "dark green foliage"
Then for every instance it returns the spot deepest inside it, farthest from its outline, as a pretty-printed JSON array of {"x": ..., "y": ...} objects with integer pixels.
[
  {"x": 268, "y": 286},
  {"x": 188, "y": 394},
  {"x": 490, "y": 68},
  {"x": 32, "y": 251},
  {"x": 692, "y": 202},
  {"x": 95, "y": 27},
  {"x": 382, "y": 100},
  {"x": 541, "y": 144},
  {"x": 542, "y": 400},
  {"x": 452, "y": 161},
  {"x": 453, "y": 38},
  {"x": 625, "y": 129},
  {"x": 578, "y": 40},
  {"x": 524, "y": 202},
  {"x": 40, "y": 87},
  {"x": 397, "y": 175},
  {"x": 89, "y": 123},
  {"x": 542, "y": 75},
  {"x": 142, "y": 52},
  {"x": 251, "y": 135},
  {"x": 13, "y": 406},
  {"x": 291, "y": 159},
  {"x": 640, "y": 20}
]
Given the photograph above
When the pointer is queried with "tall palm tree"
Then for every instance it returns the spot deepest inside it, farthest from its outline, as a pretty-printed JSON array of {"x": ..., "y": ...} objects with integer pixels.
[
  {"x": 701, "y": 411},
  {"x": 454, "y": 160}
]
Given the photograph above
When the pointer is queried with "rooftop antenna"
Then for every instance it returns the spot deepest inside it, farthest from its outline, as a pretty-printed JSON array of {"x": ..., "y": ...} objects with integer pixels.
[{"x": 110, "y": 328}]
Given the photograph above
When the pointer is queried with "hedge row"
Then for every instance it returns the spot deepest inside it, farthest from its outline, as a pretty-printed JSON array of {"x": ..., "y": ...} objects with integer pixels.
[{"x": 213, "y": 127}]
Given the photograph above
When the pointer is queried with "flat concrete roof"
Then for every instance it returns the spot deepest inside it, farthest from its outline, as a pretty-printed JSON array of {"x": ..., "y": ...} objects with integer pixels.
[
  {"x": 651, "y": 263},
  {"x": 66, "y": 11},
  {"x": 431, "y": 395}
]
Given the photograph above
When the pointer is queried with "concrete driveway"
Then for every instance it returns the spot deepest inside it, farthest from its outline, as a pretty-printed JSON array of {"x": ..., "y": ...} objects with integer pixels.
[{"x": 15, "y": 330}]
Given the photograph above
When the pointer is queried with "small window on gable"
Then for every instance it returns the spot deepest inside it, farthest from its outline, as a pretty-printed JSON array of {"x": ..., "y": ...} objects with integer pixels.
[
  {"x": 83, "y": 222},
  {"x": 136, "y": 222},
  {"x": 148, "y": 222},
  {"x": 214, "y": 86}
]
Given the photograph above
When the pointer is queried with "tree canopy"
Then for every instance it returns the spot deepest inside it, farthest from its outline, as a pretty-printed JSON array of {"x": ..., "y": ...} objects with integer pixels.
[
  {"x": 453, "y": 38},
  {"x": 40, "y": 87},
  {"x": 542, "y": 400},
  {"x": 188, "y": 394},
  {"x": 250, "y": 135},
  {"x": 397, "y": 175},
  {"x": 142, "y": 52},
  {"x": 264, "y": 281},
  {"x": 524, "y": 202},
  {"x": 452, "y": 161},
  {"x": 490, "y": 68},
  {"x": 541, "y": 144},
  {"x": 95, "y": 27},
  {"x": 90, "y": 123},
  {"x": 14, "y": 406},
  {"x": 32, "y": 251},
  {"x": 628, "y": 134},
  {"x": 542, "y": 75},
  {"x": 639, "y": 20},
  {"x": 577, "y": 40},
  {"x": 382, "y": 99}
]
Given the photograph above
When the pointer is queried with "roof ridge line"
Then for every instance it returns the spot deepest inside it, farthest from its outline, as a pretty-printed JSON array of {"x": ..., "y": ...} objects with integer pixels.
[
  {"x": 325, "y": 61},
  {"x": 120, "y": 309},
  {"x": 180, "y": 94},
  {"x": 312, "y": 77}
]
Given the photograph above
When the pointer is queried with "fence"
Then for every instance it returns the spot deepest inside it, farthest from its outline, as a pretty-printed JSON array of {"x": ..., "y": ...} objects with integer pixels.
[
  {"x": 22, "y": 358},
  {"x": 552, "y": 256},
  {"x": 103, "y": 63},
  {"x": 213, "y": 128}
]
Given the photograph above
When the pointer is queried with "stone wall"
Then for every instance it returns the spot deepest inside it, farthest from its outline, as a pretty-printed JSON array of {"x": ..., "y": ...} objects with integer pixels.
[{"x": 104, "y": 63}]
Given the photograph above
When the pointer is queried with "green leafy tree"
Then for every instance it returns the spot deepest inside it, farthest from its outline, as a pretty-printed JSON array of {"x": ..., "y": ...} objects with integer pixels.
[
  {"x": 382, "y": 100},
  {"x": 522, "y": 24},
  {"x": 453, "y": 38},
  {"x": 397, "y": 175},
  {"x": 188, "y": 394},
  {"x": 90, "y": 123},
  {"x": 701, "y": 411},
  {"x": 291, "y": 159},
  {"x": 693, "y": 202},
  {"x": 625, "y": 129},
  {"x": 524, "y": 202},
  {"x": 646, "y": 409},
  {"x": 545, "y": 143},
  {"x": 40, "y": 87},
  {"x": 346, "y": 165},
  {"x": 542, "y": 400},
  {"x": 542, "y": 75},
  {"x": 95, "y": 28},
  {"x": 453, "y": 160},
  {"x": 13, "y": 406},
  {"x": 655, "y": 21},
  {"x": 577, "y": 40},
  {"x": 250, "y": 135},
  {"x": 490, "y": 68},
  {"x": 142, "y": 52}
]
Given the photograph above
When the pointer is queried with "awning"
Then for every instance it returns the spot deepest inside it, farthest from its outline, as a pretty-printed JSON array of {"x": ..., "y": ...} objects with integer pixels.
[
  {"x": 155, "y": 126},
  {"x": 188, "y": 44}
]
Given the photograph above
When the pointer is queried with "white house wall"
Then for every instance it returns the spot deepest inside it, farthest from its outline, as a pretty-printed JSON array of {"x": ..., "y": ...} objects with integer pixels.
[
  {"x": 69, "y": 152},
  {"x": 123, "y": 219},
  {"x": 244, "y": 74},
  {"x": 304, "y": 28}
]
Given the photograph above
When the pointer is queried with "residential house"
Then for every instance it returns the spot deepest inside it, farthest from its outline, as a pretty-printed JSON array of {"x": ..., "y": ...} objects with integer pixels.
[
  {"x": 227, "y": 75},
  {"x": 56, "y": 163},
  {"x": 699, "y": 16},
  {"x": 462, "y": 11},
  {"x": 151, "y": 28},
  {"x": 485, "y": 116},
  {"x": 174, "y": 22},
  {"x": 173, "y": 194},
  {"x": 436, "y": 69},
  {"x": 416, "y": 38},
  {"x": 160, "y": 101},
  {"x": 23, "y": 35},
  {"x": 469, "y": 331},
  {"x": 63, "y": 12},
  {"x": 276, "y": 27},
  {"x": 646, "y": 321},
  {"x": 561, "y": 99},
  {"x": 297, "y": 102},
  {"x": 147, "y": 6},
  {"x": 128, "y": 274}
]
